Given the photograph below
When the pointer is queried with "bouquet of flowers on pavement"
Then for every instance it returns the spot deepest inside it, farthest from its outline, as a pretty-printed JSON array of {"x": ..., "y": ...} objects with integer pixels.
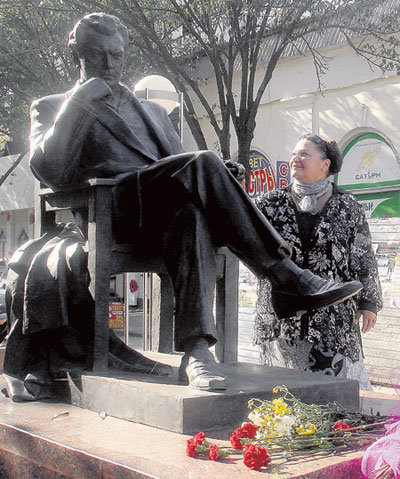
[{"x": 286, "y": 429}]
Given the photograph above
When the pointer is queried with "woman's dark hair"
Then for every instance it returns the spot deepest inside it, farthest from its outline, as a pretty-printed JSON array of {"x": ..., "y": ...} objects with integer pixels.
[{"x": 330, "y": 149}]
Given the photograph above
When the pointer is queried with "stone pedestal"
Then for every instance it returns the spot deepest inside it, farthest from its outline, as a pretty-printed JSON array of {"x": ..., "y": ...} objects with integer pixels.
[{"x": 165, "y": 404}]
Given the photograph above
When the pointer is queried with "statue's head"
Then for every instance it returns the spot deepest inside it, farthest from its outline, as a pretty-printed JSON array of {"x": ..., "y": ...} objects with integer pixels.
[{"x": 98, "y": 43}]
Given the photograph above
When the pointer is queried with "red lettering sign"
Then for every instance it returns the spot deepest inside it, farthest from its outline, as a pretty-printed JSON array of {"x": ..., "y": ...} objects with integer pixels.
[
  {"x": 282, "y": 174},
  {"x": 261, "y": 176}
]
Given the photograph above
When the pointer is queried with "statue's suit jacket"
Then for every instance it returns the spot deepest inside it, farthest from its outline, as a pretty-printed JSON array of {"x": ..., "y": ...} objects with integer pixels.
[{"x": 72, "y": 142}]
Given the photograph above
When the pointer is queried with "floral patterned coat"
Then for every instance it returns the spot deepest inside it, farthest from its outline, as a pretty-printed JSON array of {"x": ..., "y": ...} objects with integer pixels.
[{"x": 341, "y": 251}]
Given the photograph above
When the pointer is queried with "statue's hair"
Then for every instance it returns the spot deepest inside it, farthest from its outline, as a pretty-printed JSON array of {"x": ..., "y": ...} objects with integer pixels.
[
  {"x": 99, "y": 22},
  {"x": 330, "y": 149}
]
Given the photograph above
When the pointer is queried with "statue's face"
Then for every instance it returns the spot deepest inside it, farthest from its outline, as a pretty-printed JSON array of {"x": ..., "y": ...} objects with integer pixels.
[{"x": 102, "y": 56}]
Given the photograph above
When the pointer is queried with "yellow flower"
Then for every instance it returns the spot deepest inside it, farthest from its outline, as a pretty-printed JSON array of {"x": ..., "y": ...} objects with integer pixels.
[
  {"x": 312, "y": 428},
  {"x": 283, "y": 410},
  {"x": 307, "y": 429},
  {"x": 280, "y": 407}
]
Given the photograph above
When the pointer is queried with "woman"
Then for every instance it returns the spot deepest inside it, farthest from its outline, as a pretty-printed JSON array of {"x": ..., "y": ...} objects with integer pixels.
[{"x": 328, "y": 232}]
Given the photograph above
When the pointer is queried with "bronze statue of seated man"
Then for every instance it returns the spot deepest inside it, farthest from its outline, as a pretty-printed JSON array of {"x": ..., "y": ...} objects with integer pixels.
[{"x": 181, "y": 204}]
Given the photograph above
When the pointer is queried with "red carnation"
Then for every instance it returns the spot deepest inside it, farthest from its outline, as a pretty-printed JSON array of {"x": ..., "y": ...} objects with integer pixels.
[
  {"x": 191, "y": 447},
  {"x": 199, "y": 437},
  {"x": 235, "y": 440},
  {"x": 255, "y": 456},
  {"x": 213, "y": 453},
  {"x": 341, "y": 425},
  {"x": 193, "y": 442},
  {"x": 248, "y": 430}
]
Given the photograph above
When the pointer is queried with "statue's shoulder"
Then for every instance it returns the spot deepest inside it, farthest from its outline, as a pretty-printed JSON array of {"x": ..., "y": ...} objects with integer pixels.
[
  {"x": 48, "y": 101},
  {"x": 43, "y": 110}
]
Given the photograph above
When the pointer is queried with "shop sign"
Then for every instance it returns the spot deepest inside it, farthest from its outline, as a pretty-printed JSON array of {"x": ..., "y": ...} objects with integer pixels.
[
  {"x": 282, "y": 174},
  {"x": 116, "y": 314},
  {"x": 261, "y": 177},
  {"x": 381, "y": 205},
  {"x": 368, "y": 161}
]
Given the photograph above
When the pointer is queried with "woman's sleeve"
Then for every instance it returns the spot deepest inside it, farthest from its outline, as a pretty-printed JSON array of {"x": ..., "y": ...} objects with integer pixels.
[{"x": 363, "y": 263}]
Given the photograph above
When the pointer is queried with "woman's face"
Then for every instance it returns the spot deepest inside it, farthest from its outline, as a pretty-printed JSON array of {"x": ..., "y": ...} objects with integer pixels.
[{"x": 307, "y": 163}]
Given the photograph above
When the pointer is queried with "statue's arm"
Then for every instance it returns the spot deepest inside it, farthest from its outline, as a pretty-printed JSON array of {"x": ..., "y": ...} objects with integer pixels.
[
  {"x": 56, "y": 139},
  {"x": 171, "y": 133},
  {"x": 58, "y": 132}
]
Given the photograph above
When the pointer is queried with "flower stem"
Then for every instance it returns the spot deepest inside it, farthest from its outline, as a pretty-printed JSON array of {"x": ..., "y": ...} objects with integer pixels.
[
  {"x": 384, "y": 474},
  {"x": 385, "y": 466},
  {"x": 367, "y": 426}
]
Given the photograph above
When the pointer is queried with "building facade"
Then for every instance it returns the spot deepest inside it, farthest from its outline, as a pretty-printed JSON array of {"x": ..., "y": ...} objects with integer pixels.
[
  {"x": 358, "y": 107},
  {"x": 17, "y": 215}
]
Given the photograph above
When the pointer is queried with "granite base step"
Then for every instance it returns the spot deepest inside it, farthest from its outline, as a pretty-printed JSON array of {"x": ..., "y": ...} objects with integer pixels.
[{"x": 166, "y": 404}]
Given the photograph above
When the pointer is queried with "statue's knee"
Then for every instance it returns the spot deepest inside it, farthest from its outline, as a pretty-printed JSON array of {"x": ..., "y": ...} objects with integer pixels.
[{"x": 210, "y": 160}]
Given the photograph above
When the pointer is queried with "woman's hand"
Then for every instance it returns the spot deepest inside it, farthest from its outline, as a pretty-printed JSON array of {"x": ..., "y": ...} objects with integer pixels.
[{"x": 369, "y": 319}]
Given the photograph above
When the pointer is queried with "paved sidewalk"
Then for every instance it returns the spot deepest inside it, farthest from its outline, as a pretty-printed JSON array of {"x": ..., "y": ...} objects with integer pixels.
[{"x": 39, "y": 440}]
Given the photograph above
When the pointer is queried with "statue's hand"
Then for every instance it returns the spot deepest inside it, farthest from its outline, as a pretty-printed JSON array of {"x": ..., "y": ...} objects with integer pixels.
[
  {"x": 237, "y": 169},
  {"x": 93, "y": 89}
]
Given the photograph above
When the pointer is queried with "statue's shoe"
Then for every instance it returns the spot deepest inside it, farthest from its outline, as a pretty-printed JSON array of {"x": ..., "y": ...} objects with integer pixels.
[
  {"x": 312, "y": 292},
  {"x": 141, "y": 365},
  {"x": 199, "y": 370}
]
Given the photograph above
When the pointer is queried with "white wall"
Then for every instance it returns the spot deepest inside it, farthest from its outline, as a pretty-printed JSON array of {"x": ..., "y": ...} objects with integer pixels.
[{"x": 354, "y": 98}]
